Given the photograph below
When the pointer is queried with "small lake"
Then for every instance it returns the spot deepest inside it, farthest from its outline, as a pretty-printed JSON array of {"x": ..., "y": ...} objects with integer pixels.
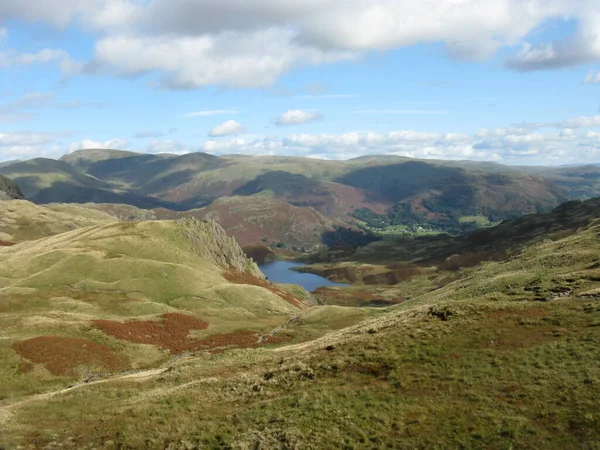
[{"x": 280, "y": 272}]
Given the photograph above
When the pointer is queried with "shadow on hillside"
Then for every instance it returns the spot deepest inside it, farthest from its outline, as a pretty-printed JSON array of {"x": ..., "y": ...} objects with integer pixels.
[
  {"x": 280, "y": 183},
  {"x": 347, "y": 237},
  {"x": 63, "y": 192},
  {"x": 399, "y": 181}
]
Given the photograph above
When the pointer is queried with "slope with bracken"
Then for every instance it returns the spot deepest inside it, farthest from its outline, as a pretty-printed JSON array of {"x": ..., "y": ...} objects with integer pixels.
[
  {"x": 508, "y": 357},
  {"x": 122, "y": 296}
]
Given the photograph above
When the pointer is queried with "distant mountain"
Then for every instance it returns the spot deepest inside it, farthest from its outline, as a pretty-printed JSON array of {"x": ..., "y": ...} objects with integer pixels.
[
  {"x": 50, "y": 181},
  {"x": 8, "y": 163},
  {"x": 446, "y": 195},
  {"x": 9, "y": 190}
]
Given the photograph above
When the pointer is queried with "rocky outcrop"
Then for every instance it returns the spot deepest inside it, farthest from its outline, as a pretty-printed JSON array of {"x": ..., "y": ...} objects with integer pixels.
[
  {"x": 9, "y": 190},
  {"x": 209, "y": 240}
]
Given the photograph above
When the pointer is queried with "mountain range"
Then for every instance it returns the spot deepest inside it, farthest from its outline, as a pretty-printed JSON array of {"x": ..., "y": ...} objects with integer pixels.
[{"x": 374, "y": 191}]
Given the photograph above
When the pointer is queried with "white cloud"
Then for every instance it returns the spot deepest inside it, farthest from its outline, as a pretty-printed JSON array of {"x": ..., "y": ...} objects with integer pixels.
[
  {"x": 210, "y": 112},
  {"x": 115, "y": 144},
  {"x": 167, "y": 146},
  {"x": 297, "y": 117},
  {"x": 582, "y": 122},
  {"x": 231, "y": 127},
  {"x": 228, "y": 59},
  {"x": 191, "y": 44},
  {"x": 30, "y": 144},
  {"x": 508, "y": 145}
]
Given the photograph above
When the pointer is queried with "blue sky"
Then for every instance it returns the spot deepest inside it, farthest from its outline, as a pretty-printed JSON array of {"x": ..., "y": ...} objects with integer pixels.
[{"x": 504, "y": 80}]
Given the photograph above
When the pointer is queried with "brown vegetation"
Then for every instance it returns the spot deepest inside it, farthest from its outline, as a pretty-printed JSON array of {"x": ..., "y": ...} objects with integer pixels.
[
  {"x": 62, "y": 355},
  {"x": 171, "y": 333}
]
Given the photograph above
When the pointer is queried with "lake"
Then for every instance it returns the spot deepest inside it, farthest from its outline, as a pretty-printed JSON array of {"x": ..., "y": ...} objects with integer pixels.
[{"x": 280, "y": 272}]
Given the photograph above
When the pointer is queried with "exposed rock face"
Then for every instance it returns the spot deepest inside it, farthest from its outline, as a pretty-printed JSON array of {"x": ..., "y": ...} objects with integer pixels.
[
  {"x": 9, "y": 190},
  {"x": 208, "y": 239}
]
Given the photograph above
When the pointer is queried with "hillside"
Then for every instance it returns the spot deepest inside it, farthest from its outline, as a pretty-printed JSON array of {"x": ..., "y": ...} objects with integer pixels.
[
  {"x": 446, "y": 195},
  {"x": 21, "y": 220},
  {"x": 49, "y": 181},
  {"x": 507, "y": 357},
  {"x": 263, "y": 218},
  {"x": 9, "y": 190},
  {"x": 257, "y": 219},
  {"x": 392, "y": 270},
  {"x": 123, "y": 296}
]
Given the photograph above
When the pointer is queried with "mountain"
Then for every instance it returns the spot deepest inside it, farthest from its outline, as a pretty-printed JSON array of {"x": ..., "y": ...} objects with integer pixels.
[
  {"x": 263, "y": 218},
  {"x": 507, "y": 356},
  {"x": 8, "y": 163},
  {"x": 374, "y": 192},
  {"x": 49, "y": 181},
  {"x": 9, "y": 190}
]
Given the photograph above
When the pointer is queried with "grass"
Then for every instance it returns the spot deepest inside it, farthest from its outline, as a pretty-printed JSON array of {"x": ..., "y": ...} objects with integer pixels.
[
  {"x": 57, "y": 285},
  {"x": 22, "y": 221},
  {"x": 506, "y": 357}
]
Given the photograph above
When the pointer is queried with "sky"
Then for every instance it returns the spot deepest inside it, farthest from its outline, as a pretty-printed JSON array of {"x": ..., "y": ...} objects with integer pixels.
[{"x": 511, "y": 81}]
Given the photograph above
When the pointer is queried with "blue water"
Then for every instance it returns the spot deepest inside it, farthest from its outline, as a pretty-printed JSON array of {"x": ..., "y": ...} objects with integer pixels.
[{"x": 280, "y": 272}]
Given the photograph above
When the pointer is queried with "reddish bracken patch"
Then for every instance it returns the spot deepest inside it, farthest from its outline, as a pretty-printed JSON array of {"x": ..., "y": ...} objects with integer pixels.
[
  {"x": 62, "y": 355},
  {"x": 245, "y": 278},
  {"x": 172, "y": 334},
  {"x": 6, "y": 244}
]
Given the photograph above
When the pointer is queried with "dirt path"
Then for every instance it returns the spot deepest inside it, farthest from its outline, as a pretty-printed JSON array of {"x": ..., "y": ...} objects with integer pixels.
[{"x": 137, "y": 376}]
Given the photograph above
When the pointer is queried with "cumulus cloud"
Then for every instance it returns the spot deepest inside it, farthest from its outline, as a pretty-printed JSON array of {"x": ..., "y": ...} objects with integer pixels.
[
  {"x": 229, "y": 59},
  {"x": 229, "y": 128},
  {"x": 297, "y": 117},
  {"x": 235, "y": 43},
  {"x": 167, "y": 146},
  {"x": 115, "y": 144},
  {"x": 30, "y": 144},
  {"x": 582, "y": 122},
  {"x": 507, "y": 145}
]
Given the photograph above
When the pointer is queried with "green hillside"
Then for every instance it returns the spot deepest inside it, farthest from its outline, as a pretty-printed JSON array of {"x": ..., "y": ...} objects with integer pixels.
[
  {"x": 506, "y": 357},
  {"x": 122, "y": 296}
]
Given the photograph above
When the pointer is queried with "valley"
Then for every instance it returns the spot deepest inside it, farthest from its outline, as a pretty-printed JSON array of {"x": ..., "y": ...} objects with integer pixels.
[{"x": 125, "y": 327}]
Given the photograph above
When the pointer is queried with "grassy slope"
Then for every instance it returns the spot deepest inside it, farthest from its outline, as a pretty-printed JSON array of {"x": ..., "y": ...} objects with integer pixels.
[
  {"x": 506, "y": 358},
  {"x": 21, "y": 220},
  {"x": 57, "y": 285}
]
